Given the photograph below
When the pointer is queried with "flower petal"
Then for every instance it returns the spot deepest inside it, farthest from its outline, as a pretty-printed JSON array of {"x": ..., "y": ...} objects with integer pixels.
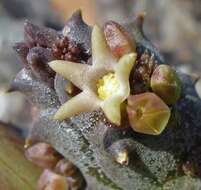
[
  {"x": 75, "y": 72},
  {"x": 83, "y": 102},
  {"x": 122, "y": 71},
  {"x": 100, "y": 50},
  {"x": 111, "y": 106}
]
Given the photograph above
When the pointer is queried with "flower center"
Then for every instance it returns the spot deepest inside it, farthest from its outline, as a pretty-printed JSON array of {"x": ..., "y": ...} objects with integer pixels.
[
  {"x": 139, "y": 113},
  {"x": 107, "y": 86}
]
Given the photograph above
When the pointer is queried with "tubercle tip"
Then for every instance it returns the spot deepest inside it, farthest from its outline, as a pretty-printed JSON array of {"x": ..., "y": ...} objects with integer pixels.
[
  {"x": 122, "y": 157},
  {"x": 28, "y": 143},
  {"x": 120, "y": 152},
  {"x": 77, "y": 15},
  {"x": 11, "y": 88},
  {"x": 142, "y": 14},
  {"x": 195, "y": 78},
  {"x": 140, "y": 19}
]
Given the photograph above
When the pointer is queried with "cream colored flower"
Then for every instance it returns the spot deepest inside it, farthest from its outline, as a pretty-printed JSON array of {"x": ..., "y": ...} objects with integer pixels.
[{"x": 87, "y": 78}]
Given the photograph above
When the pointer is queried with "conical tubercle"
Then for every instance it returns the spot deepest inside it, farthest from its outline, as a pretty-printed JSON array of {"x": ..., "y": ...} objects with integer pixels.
[{"x": 140, "y": 20}]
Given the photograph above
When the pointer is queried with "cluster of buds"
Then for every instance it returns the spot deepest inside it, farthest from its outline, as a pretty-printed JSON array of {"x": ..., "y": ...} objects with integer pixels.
[
  {"x": 66, "y": 49},
  {"x": 42, "y": 45}
]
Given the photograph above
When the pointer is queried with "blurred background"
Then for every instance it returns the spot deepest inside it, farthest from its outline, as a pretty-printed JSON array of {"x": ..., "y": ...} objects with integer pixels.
[{"x": 174, "y": 26}]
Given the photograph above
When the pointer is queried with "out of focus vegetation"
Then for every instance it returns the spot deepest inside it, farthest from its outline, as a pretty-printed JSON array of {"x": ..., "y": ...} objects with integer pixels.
[{"x": 16, "y": 173}]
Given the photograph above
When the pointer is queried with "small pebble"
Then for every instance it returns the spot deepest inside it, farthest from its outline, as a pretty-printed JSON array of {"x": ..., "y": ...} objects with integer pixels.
[{"x": 198, "y": 87}]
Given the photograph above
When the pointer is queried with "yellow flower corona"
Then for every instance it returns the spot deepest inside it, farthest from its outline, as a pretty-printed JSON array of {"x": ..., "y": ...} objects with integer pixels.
[{"x": 107, "y": 86}]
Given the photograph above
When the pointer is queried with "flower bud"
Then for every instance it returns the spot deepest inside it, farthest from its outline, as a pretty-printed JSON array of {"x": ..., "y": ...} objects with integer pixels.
[
  {"x": 147, "y": 113},
  {"x": 166, "y": 84},
  {"x": 52, "y": 181},
  {"x": 43, "y": 155},
  {"x": 118, "y": 39}
]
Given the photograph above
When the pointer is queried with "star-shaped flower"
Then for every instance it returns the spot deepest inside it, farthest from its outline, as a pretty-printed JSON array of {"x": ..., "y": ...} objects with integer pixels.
[{"x": 88, "y": 77}]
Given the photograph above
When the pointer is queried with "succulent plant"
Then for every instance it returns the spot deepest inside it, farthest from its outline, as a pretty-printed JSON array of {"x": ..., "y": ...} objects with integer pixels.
[
  {"x": 166, "y": 84},
  {"x": 90, "y": 141},
  {"x": 147, "y": 113}
]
